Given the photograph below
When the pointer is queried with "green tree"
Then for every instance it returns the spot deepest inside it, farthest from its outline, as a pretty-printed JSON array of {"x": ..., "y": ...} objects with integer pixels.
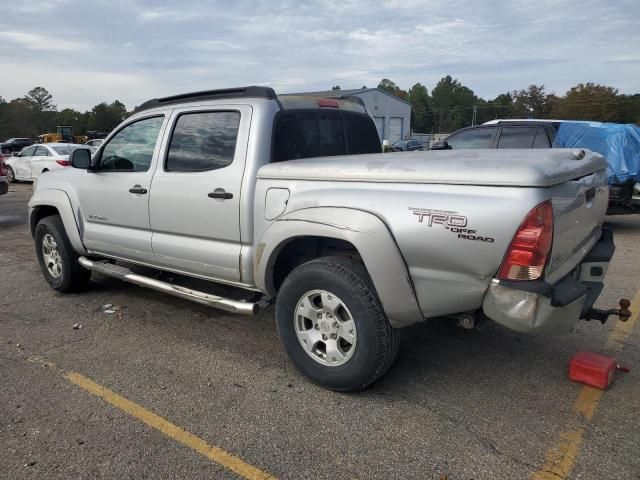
[
  {"x": 421, "y": 118},
  {"x": 589, "y": 101},
  {"x": 391, "y": 87},
  {"x": 530, "y": 102},
  {"x": 105, "y": 117},
  {"x": 452, "y": 105},
  {"x": 336, "y": 87},
  {"x": 40, "y": 99}
]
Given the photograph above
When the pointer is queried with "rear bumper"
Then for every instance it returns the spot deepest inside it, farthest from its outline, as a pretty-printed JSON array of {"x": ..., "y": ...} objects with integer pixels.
[{"x": 538, "y": 307}]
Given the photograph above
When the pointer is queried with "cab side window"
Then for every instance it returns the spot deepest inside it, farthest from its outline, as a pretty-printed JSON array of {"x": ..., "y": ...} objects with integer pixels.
[
  {"x": 27, "y": 152},
  {"x": 517, "y": 137},
  {"x": 131, "y": 149},
  {"x": 474, "y": 138},
  {"x": 203, "y": 141}
]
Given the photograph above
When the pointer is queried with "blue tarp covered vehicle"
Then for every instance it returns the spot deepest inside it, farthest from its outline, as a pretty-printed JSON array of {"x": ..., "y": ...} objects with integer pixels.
[{"x": 620, "y": 145}]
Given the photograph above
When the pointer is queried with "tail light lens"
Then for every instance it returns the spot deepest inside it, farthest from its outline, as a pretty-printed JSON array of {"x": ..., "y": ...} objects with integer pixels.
[
  {"x": 63, "y": 163},
  {"x": 3, "y": 170},
  {"x": 529, "y": 250}
]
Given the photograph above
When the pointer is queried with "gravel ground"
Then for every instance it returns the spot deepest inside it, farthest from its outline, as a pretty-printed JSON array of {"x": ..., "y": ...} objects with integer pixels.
[{"x": 484, "y": 404}]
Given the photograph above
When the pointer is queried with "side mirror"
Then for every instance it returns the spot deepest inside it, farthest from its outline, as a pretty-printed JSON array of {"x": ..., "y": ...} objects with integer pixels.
[
  {"x": 443, "y": 145},
  {"x": 81, "y": 158}
]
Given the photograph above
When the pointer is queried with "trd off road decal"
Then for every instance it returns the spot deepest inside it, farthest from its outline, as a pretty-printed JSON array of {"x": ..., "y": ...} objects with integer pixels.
[{"x": 449, "y": 220}]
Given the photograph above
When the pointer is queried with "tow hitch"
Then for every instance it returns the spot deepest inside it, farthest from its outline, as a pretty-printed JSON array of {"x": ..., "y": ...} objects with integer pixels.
[{"x": 623, "y": 313}]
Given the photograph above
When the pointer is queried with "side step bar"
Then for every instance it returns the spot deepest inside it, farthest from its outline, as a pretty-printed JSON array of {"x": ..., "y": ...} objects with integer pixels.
[{"x": 123, "y": 273}]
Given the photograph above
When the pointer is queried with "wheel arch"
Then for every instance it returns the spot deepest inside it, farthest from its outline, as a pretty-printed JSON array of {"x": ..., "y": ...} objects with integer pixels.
[
  {"x": 323, "y": 231},
  {"x": 45, "y": 203}
]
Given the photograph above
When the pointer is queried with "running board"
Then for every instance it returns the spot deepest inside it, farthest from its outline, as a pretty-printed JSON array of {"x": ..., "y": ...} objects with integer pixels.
[{"x": 123, "y": 273}]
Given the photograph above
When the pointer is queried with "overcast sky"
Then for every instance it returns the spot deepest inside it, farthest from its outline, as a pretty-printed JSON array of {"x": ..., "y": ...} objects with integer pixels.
[{"x": 86, "y": 52}]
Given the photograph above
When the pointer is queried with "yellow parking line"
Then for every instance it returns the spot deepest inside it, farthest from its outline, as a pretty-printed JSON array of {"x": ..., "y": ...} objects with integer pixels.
[
  {"x": 561, "y": 457},
  {"x": 225, "y": 459},
  {"x": 216, "y": 454}
]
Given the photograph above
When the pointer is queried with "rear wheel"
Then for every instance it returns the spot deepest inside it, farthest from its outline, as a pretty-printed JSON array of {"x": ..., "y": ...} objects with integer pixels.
[
  {"x": 332, "y": 325},
  {"x": 11, "y": 177},
  {"x": 58, "y": 260}
]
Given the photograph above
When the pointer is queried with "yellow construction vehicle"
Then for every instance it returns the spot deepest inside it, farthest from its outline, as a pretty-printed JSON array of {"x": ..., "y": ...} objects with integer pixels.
[{"x": 64, "y": 134}]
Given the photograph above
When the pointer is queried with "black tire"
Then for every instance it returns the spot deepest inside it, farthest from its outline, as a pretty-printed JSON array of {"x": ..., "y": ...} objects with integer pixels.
[
  {"x": 11, "y": 176},
  {"x": 73, "y": 277},
  {"x": 377, "y": 342}
]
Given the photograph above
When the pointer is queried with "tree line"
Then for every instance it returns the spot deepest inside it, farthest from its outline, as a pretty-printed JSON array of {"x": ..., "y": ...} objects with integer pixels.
[
  {"x": 448, "y": 107},
  {"x": 451, "y": 105},
  {"x": 35, "y": 114}
]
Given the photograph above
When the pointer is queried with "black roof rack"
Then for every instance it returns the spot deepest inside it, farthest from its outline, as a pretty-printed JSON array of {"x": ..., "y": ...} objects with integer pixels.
[{"x": 243, "y": 92}]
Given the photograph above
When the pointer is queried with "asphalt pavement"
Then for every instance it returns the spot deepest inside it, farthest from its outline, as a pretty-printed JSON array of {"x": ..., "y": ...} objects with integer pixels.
[{"x": 458, "y": 404}]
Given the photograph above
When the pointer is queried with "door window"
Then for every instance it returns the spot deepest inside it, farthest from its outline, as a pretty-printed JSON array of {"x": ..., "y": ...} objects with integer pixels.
[
  {"x": 517, "y": 137},
  {"x": 41, "y": 152},
  {"x": 131, "y": 149},
  {"x": 27, "y": 152},
  {"x": 475, "y": 138},
  {"x": 203, "y": 141},
  {"x": 541, "y": 141}
]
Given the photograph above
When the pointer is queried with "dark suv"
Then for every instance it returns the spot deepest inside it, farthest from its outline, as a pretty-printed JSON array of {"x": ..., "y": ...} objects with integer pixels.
[
  {"x": 407, "y": 145},
  {"x": 529, "y": 134},
  {"x": 14, "y": 145},
  {"x": 507, "y": 134}
]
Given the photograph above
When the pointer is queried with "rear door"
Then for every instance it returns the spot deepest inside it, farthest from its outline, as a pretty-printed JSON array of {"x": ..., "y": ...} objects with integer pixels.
[
  {"x": 195, "y": 194},
  {"x": 39, "y": 161}
]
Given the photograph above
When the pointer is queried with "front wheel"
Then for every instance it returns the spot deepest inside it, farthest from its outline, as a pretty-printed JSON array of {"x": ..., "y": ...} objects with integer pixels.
[
  {"x": 332, "y": 325},
  {"x": 57, "y": 258}
]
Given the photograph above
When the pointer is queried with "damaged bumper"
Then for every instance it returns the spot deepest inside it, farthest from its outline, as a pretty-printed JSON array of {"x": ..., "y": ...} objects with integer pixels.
[{"x": 538, "y": 307}]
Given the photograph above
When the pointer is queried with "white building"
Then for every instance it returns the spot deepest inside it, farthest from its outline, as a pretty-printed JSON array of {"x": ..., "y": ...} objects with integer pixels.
[{"x": 391, "y": 114}]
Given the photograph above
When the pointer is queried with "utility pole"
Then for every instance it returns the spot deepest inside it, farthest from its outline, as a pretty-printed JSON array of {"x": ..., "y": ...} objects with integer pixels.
[{"x": 474, "y": 118}]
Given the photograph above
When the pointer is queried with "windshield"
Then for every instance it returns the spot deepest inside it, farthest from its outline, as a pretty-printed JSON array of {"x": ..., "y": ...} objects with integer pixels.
[{"x": 64, "y": 150}]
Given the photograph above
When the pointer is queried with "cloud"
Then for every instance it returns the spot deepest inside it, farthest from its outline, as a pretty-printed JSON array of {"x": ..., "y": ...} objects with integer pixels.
[
  {"x": 35, "y": 41},
  {"x": 95, "y": 51}
]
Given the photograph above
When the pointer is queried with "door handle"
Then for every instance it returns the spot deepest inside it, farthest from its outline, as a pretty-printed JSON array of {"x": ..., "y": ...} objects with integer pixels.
[
  {"x": 138, "y": 189},
  {"x": 220, "y": 193}
]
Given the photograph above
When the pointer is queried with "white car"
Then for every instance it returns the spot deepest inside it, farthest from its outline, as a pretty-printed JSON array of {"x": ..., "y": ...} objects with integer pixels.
[{"x": 32, "y": 161}]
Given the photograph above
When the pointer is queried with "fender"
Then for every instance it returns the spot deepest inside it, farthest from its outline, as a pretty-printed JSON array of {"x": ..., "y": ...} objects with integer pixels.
[
  {"x": 60, "y": 201},
  {"x": 364, "y": 230}
]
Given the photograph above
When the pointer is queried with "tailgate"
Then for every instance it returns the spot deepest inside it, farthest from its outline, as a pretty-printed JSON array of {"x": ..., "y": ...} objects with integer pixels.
[{"x": 579, "y": 208}]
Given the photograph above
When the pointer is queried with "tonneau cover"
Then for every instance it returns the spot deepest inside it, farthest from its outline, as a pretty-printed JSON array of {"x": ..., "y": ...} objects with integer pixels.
[{"x": 508, "y": 167}]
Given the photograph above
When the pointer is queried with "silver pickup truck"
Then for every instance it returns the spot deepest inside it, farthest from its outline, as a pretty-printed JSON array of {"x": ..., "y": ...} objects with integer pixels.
[{"x": 290, "y": 198}]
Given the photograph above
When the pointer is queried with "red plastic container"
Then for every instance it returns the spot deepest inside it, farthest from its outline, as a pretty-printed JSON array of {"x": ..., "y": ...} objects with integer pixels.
[{"x": 592, "y": 369}]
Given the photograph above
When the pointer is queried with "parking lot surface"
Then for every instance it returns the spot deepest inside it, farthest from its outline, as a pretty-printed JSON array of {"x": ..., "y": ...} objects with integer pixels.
[{"x": 163, "y": 388}]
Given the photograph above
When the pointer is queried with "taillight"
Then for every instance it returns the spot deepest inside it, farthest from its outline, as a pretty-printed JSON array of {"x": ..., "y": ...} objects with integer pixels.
[
  {"x": 328, "y": 102},
  {"x": 3, "y": 170},
  {"x": 529, "y": 250},
  {"x": 63, "y": 163}
]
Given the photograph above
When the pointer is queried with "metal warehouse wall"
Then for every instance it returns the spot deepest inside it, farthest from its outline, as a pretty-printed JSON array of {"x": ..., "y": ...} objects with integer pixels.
[{"x": 384, "y": 108}]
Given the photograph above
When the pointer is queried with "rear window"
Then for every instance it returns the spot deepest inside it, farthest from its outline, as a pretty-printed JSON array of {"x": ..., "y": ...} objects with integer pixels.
[
  {"x": 316, "y": 133},
  {"x": 64, "y": 150}
]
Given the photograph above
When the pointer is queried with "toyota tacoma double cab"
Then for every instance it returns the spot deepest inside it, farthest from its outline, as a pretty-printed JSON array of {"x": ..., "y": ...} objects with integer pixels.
[{"x": 290, "y": 199}]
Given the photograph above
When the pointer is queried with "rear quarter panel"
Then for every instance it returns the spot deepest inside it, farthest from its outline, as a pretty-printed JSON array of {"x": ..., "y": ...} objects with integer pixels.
[{"x": 452, "y": 237}]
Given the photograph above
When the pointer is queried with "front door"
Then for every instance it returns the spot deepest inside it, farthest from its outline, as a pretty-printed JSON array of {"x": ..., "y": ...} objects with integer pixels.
[
  {"x": 195, "y": 195},
  {"x": 22, "y": 164},
  {"x": 114, "y": 199}
]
